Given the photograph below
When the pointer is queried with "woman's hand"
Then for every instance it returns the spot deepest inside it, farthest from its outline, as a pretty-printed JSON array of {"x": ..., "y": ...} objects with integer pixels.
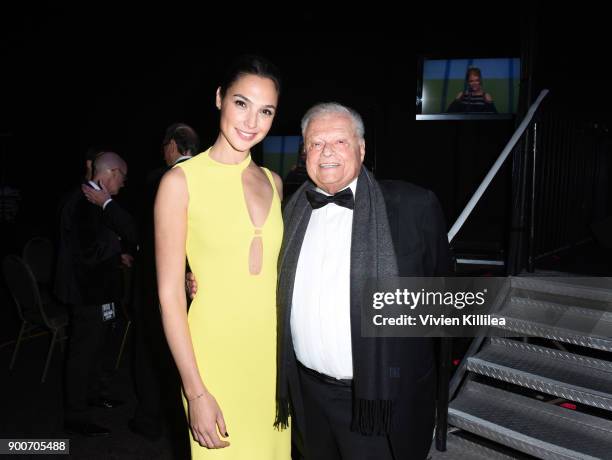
[{"x": 205, "y": 417}]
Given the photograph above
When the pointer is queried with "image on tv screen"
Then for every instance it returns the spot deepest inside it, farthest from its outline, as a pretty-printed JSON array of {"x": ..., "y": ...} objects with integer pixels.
[{"x": 470, "y": 86}]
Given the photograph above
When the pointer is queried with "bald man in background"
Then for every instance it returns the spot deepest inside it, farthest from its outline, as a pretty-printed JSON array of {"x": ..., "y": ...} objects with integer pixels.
[{"x": 89, "y": 280}]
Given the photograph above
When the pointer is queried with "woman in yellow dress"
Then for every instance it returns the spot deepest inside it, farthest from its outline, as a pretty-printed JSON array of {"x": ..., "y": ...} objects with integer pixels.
[{"x": 223, "y": 212}]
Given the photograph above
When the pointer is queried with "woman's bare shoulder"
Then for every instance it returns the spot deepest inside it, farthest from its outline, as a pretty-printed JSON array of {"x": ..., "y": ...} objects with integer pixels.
[{"x": 173, "y": 183}]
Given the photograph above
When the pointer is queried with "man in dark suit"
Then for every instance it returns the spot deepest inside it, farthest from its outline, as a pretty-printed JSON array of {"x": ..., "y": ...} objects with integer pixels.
[
  {"x": 89, "y": 279},
  {"x": 155, "y": 377},
  {"x": 353, "y": 397}
]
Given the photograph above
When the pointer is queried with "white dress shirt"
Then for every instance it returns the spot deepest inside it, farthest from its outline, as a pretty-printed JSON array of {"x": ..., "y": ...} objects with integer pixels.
[{"x": 320, "y": 312}]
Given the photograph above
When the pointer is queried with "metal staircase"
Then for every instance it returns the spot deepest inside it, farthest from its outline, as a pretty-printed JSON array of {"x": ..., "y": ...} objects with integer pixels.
[
  {"x": 507, "y": 391},
  {"x": 544, "y": 390}
]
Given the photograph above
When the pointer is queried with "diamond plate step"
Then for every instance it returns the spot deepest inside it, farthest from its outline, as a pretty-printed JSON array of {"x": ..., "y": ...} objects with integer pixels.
[
  {"x": 530, "y": 426},
  {"x": 567, "y": 375},
  {"x": 586, "y": 327},
  {"x": 585, "y": 288},
  {"x": 458, "y": 448}
]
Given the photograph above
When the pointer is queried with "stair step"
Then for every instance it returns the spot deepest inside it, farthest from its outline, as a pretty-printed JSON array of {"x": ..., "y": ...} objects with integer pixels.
[
  {"x": 458, "y": 448},
  {"x": 586, "y": 327},
  {"x": 536, "y": 428},
  {"x": 591, "y": 288},
  {"x": 561, "y": 304},
  {"x": 567, "y": 375}
]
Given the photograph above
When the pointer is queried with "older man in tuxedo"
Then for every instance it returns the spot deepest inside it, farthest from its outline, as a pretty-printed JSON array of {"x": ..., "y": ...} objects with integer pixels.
[{"x": 353, "y": 397}]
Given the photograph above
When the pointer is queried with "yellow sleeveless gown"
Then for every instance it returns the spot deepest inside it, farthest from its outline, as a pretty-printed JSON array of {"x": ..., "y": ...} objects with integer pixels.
[{"x": 232, "y": 319}]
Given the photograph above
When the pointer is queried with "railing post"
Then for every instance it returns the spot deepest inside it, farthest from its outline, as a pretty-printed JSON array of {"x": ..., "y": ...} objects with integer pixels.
[
  {"x": 531, "y": 257},
  {"x": 516, "y": 246}
]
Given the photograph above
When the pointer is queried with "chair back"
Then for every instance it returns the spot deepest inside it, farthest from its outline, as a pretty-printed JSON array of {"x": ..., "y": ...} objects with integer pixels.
[
  {"x": 23, "y": 288},
  {"x": 39, "y": 255}
]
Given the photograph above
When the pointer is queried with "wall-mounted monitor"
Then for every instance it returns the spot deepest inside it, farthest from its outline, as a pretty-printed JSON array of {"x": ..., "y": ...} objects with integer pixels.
[{"x": 483, "y": 87}]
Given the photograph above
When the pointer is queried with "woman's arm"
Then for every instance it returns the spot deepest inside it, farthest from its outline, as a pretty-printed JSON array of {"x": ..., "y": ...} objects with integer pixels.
[{"x": 170, "y": 240}]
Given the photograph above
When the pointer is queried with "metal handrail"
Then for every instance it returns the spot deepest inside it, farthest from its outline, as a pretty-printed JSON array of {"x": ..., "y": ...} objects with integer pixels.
[{"x": 496, "y": 166}]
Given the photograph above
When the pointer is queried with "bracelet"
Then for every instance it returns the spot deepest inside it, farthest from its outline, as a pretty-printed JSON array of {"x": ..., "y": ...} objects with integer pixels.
[{"x": 197, "y": 397}]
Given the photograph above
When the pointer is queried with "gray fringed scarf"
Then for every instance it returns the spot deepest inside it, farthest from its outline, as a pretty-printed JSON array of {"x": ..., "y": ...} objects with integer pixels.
[{"x": 372, "y": 256}]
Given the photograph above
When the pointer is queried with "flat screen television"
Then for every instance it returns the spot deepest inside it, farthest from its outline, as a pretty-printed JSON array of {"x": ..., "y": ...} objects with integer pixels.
[{"x": 471, "y": 86}]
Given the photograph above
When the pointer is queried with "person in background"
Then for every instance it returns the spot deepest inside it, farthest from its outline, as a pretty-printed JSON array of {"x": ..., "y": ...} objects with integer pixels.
[
  {"x": 89, "y": 280},
  {"x": 474, "y": 99},
  {"x": 297, "y": 176}
]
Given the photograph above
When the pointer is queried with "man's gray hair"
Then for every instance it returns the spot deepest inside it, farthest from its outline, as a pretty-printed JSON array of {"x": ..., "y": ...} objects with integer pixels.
[{"x": 325, "y": 108}]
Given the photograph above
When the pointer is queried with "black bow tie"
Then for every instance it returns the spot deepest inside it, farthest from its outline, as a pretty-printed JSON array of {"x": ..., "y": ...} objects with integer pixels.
[{"x": 318, "y": 200}]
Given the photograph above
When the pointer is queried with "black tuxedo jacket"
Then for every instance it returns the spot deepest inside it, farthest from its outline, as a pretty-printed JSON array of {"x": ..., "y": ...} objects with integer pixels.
[
  {"x": 88, "y": 266},
  {"x": 420, "y": 241}
]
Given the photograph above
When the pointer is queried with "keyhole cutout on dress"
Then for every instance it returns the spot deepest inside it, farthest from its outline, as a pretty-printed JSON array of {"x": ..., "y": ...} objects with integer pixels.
[{"x": 258, "y": 196}]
